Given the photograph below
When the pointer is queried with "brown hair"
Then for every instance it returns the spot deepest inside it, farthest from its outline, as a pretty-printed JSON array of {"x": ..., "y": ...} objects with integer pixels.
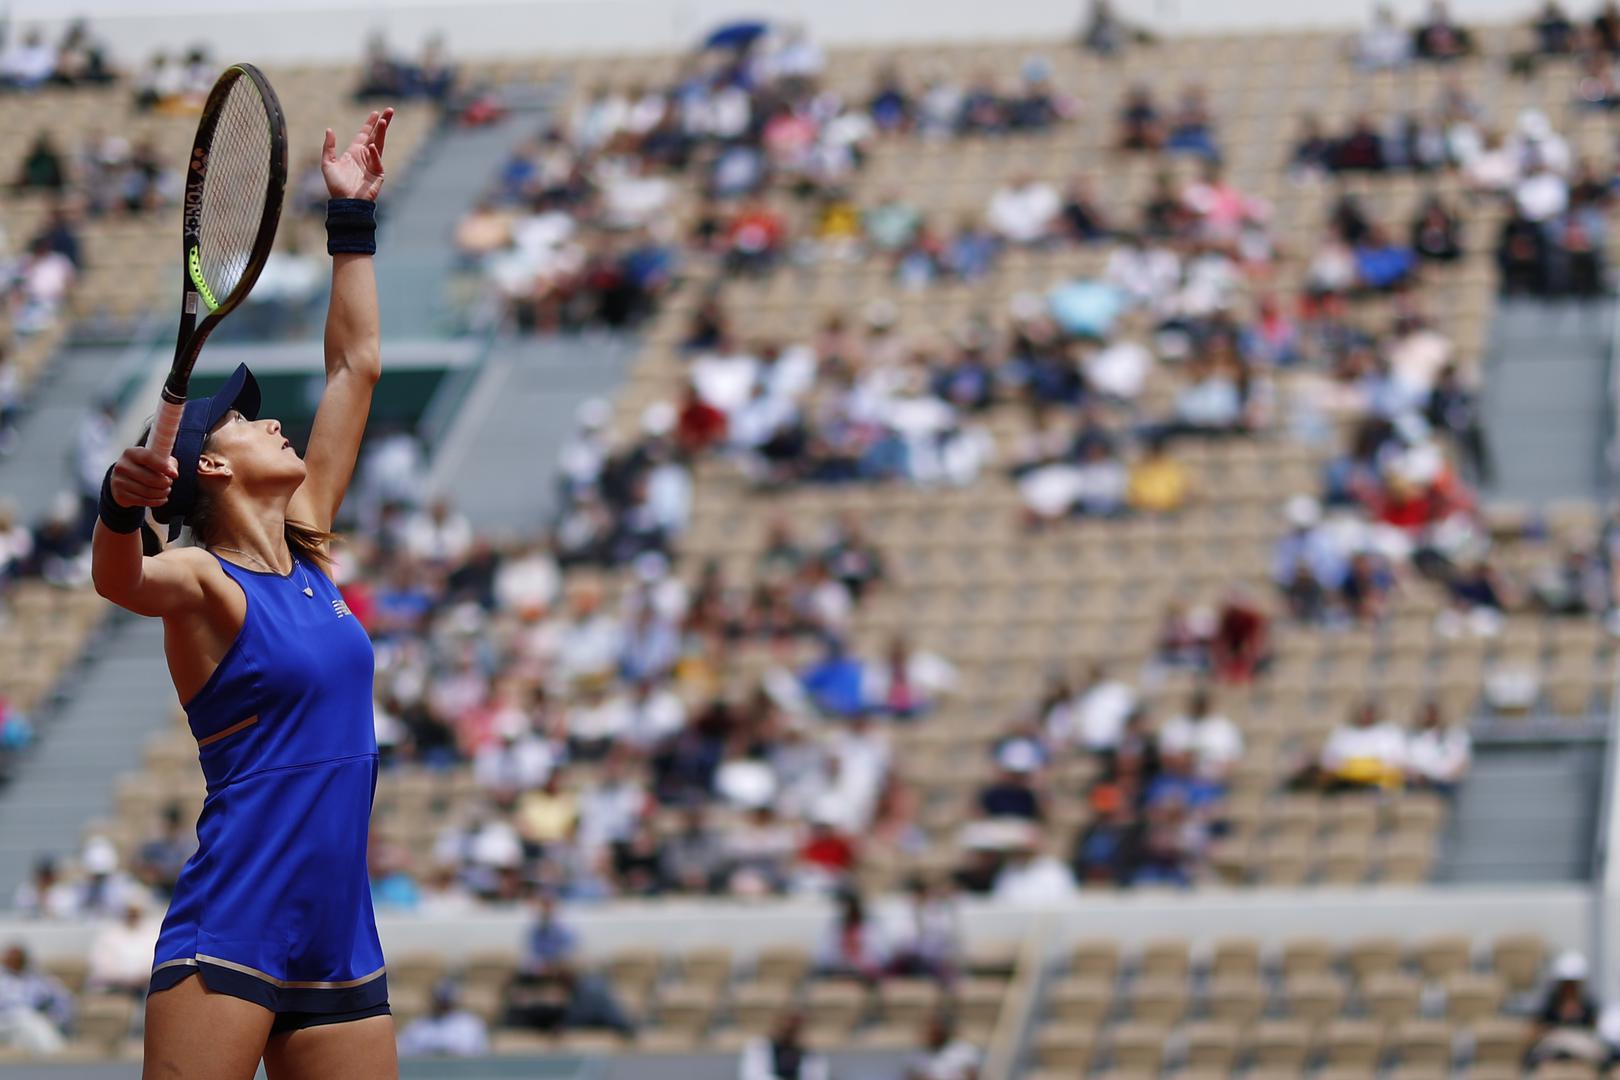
[{"x": 302, "y": 539}]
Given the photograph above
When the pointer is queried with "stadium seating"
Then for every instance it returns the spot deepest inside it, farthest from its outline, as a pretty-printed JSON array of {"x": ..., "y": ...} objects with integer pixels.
[{"x": 1440, "y": 1004}]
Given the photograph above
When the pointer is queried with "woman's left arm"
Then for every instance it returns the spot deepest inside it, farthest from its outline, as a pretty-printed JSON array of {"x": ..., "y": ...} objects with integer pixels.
[{"x": 353, "y": 351}]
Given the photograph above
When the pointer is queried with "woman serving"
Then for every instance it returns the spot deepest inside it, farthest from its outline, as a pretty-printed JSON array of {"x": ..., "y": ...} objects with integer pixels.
[{"x": 269, "y": 948}]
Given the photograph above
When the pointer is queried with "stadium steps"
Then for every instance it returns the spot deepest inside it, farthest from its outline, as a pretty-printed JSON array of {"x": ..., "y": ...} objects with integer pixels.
[
  {"x": 417, "y": 258},
  {"x": 41, "y": 466},
  {"x": 110, "y": 706},
  {"x": 1546, "y": 405},
  {"x": 500, "y": 452},
  {"x": 1527, "y": 814}
]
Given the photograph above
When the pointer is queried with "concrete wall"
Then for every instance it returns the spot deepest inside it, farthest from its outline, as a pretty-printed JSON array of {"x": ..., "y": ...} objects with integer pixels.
[
  {"x": 1561, "y": 914},
  {"x": 286, "y": 30}
]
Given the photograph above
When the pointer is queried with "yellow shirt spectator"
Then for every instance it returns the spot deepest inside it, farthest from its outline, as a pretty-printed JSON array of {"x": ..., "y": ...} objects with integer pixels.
[{"x": 1158, "y": 484}]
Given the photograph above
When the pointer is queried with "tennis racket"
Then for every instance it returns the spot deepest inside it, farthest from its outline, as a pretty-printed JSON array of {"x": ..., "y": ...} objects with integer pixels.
[{"x": 235, "y": 180}]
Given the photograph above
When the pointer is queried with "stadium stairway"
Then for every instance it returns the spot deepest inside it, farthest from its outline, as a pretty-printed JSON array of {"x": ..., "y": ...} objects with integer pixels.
[
  {"x": 1528, "y": 813},
  {"x": 500, "y": 452},
  {"x": 71, "y": 385},
  {"x": 115, "y": 698},
  {"x": 1547, "y": 401}
]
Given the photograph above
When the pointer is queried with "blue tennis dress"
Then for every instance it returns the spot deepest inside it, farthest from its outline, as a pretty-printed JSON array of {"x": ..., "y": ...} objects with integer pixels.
[{"x": 275, "y": 906}]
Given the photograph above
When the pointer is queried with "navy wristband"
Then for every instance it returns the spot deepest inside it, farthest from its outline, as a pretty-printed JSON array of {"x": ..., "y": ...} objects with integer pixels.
[
  {"x": 351, "y": 227},
  {"x": 117, "y": 517}
]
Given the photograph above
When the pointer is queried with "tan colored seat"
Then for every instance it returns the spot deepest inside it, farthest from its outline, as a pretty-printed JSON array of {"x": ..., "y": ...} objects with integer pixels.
[
  {"x": 1373, "y": 956},
  {"x": 977, "y": 1002},
  {"x": 1281, "y": 1045},
  {"x": 1080, "y": 1000},
  {"x": 756, "y": 1005},
  {"x": 1096, "y": 959},
  {"x": 1353, "y": 1044},
  {"x": 782, "y": 965},
  {"x": 1499, "y": 1042},
  {"x": 1211, "y": 1045},
  {"x": 1314, "y": 999},
  {"x": 1166, "y": 958},
  {"x": 1391, "y": 997},
  {"x": 1066, "y": 1046},
  {"x": 1158, "y": 1000},
  {"x": 104, "y": 1019},
  {"x": 632, "y": 971},
  {"x": 1443, "y": 955},
  {"x": 1138, "y": 1046},
  {"x": 686, "y": 1009},
  {"x": 1472, "y": 997},
  {"x": 1517, "y": 958},
  {"x": 1236, "y": 1000},
  {"x": 708, "y": 965},
  {"x": 908, "y": 1001},
  {"x": 1306, "y": 956},
  {"x": 1235, "y": 958},
  {"x": 1423, "y": 1044}
]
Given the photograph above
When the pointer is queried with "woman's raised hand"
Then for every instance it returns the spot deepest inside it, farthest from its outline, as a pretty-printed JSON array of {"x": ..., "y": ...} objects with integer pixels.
[{"x": 357, "y": 173}]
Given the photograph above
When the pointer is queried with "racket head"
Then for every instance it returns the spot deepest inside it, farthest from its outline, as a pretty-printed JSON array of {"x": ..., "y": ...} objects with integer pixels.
[{"x": 236, "y": 179}]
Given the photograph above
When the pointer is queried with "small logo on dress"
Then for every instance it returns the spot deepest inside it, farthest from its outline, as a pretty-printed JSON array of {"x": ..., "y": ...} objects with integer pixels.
[{"x": 341, "y": 608}]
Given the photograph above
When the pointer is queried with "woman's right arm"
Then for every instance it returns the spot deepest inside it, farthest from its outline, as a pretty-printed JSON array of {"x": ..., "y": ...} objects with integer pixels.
[{"x": 147, "y": 585}]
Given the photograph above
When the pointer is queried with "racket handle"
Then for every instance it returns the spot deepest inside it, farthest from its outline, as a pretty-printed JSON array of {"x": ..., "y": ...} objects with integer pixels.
[{"x": 166, "y": 427}]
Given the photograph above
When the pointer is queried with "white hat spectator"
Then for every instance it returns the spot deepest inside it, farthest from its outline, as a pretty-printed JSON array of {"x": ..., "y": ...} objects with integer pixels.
[{"x": 1569, "y": 966}]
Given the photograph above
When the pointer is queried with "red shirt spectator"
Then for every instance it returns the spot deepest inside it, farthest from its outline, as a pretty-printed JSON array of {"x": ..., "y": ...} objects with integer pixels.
[
  {"x": 700, "y": 425},
  {"x": 1239, "y": 645}
]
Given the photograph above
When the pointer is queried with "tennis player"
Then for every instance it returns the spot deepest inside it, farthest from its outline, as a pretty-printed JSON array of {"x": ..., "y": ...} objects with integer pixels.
[{"x": 269, "y": 949}]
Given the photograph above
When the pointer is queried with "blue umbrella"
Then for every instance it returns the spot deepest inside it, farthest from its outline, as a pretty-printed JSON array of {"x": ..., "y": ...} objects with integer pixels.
[{"x": 736, "y": 35}]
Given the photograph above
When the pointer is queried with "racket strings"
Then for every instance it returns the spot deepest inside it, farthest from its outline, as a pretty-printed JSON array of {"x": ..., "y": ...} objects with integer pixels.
[{"x": 234, "y": 189}]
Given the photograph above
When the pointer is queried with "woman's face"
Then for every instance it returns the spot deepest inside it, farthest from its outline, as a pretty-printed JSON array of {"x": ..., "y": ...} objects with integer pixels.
[{"x": 253, "y": 451}]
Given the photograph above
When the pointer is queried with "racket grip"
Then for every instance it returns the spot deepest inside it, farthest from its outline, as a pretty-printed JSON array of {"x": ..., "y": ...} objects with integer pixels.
[{"x": 166, "y": 427}]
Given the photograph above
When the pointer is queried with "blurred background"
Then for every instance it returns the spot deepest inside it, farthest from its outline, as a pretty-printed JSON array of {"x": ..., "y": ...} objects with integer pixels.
[{"x": 903, "y": 542}]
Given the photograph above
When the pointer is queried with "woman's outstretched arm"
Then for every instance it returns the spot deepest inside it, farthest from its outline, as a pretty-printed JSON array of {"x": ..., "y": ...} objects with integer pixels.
[{"x": 353, "y": 353}]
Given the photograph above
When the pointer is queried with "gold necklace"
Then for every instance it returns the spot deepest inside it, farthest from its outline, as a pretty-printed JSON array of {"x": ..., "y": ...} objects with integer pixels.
[{"x": 248, "y": 554}]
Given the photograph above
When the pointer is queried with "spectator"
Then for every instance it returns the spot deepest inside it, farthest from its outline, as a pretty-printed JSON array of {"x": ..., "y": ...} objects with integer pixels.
[
  {"x": 446, "y": 1031},
  {"x": 550, "y": 990},
  {"x": 1606, "y": 28},
  {"x": 1240, "y": 646},
  {"x": 1025, "y": 211},
  {"x": 45, "y": 895},
  {"x": 1104, "y": 33},
  {"x": 1083, "y": 218},
  {"x": 1314, "y": 154},
  {"x": 1382, "y": 264},
  {"x": 1367, "y": 753},
  {"x": 925, "y": 938},
  {"x": 1011, "y": 794},
  {"x": 1207, "y": 738},
  {"x": 854, "y": 945},
  {"x": 1565, "y": 1026},
  {"x": 81, "y": 59},
  {"x": 1099, "y": 712},
  {"x": 1439, "y": 38},
  {"x": 1191, "y": 129},
  {"x": 43, "y": 168},
  {"x": 1110, "y": 849},
  {"x": 1367, "y": 585},
  {"x": 1555, "y": 33},
  {"x": 1436, "y": 232},
  {"x": 1438, "y": 754},
  {"x": 121, "y": 952},
  {"x": 1140, "y": 127},
  {"x": 36, "y": 1010},
  {"x": 782, "y": 1055},
  {"x": 1158, "y": 483},
  {"x": 1030, "y": 877},
  {"x": 16, "y": 543},
  {"x": 1453, "y": 408},
  {"x": 1383, "y": 45},
  {"x": 944, "y": 1056},
  {"x": 28, "y": 62},
  {"x": 161, "y": 858}
]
